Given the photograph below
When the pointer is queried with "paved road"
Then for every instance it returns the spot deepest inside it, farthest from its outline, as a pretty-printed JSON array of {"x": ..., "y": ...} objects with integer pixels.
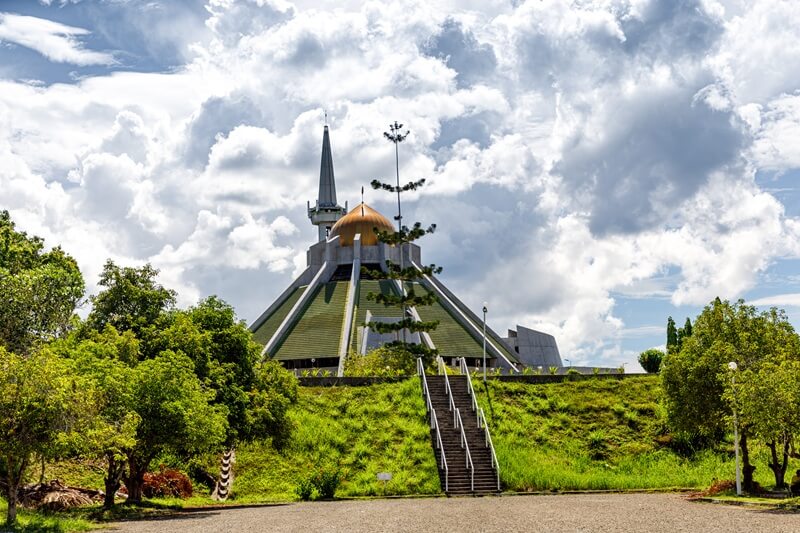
[{"x": 650, "y": 513}]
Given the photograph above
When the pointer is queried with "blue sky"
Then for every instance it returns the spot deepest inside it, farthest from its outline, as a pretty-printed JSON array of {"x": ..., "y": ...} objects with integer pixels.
[{"x": 593, "y": 166}]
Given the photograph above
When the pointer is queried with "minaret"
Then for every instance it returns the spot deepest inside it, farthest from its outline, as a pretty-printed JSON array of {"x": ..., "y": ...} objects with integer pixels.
[{"x": 326, "y": 211}]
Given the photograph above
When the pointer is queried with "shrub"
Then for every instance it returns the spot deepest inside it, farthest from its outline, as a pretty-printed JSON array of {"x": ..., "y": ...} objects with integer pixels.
[
  {"x": 383, "y": 361},
  {"x": 304, "y": 489},
  {"x": 553, "y": 370},
  {"x": 321, "y": 483},
  {"x": 167, "y": 483},
  {"x": 598, "y": 445},
  {"x": 326, "y": 481},
  {"x": 651, "y": 360}
]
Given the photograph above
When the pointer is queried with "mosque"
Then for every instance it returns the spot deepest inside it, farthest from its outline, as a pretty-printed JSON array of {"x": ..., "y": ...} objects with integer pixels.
[{"x": 320, "y": 318}]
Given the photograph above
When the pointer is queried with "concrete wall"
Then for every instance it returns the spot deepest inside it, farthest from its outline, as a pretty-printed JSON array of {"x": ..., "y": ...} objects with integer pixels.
[
  {"x": 534, "y": 348},
  {"x": 343, "y": 255}
]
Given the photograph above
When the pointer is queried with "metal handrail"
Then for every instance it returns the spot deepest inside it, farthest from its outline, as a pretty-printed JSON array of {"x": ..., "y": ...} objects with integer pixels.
[
  {"x": 440, "y": 445},
  {"x": 425, "y": 391},
  {"x": 481, "y": 416},
  {"x": 464, "y": 444},
  {"x": 443, "y": 370},
  {"x": 434, "y": 421},
  {"x": 489, "y": 444},
  {"x": 464, "y": 368}
]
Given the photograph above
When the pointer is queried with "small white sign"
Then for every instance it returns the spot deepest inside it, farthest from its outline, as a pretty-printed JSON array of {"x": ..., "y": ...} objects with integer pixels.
[{"x": 384, "y": 476}]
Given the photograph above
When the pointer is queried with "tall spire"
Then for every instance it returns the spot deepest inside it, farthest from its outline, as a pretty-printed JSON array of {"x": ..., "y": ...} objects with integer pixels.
[
  {"x": 326, "y": 211},
  {"x": 327, "y": 183}
]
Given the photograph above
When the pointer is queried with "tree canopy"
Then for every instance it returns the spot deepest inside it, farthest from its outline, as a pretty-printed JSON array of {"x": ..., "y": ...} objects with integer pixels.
[
  {"x": 696, "y": 377},
  {"x": 39, "y": 289}
]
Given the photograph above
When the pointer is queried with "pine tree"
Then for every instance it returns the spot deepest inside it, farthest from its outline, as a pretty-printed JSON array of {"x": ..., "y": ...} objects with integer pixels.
[
  {"x": 404, "y": 274},
  {"x": 672, "y": 335},
  {"x": 684, "y": 333}
]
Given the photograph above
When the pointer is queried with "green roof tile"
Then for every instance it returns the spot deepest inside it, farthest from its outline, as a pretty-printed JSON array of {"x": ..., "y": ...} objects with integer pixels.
[
  {"x": 319, "y": 328},
  {"x": 268, "y": 328}
]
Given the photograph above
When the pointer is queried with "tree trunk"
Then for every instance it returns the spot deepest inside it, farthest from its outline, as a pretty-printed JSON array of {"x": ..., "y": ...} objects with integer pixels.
[
  {"x": 747, "y": 468},
  {"x": 114, "y": 473},
  {"x": 135, "y": 480},
  {"x": 13, "y": 480},
  {"x": 779, "y": 468},
  {"x": 11, "y": 496}
]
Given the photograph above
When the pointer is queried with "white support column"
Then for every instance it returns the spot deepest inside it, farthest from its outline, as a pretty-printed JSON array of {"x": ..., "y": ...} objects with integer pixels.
[
  {"x": 347, "y": 326},
  {"x": 323, "y": 275}
]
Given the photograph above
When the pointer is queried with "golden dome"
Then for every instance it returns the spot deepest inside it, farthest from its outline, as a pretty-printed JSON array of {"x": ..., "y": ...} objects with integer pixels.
[{"x": 363, "y": 219}]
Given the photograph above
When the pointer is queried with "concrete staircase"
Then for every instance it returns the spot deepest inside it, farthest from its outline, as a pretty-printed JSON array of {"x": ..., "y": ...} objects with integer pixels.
[{"x": 460, "y": 478}]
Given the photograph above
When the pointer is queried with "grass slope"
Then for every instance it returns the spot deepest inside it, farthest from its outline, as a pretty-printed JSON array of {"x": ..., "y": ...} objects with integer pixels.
[
  {"x": 364, "y": 430},
  {"x": 593, "y": 435}
]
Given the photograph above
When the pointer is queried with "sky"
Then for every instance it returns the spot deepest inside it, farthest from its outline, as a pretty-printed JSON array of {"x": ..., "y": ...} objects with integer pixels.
[{"x": 593, "y": 166}]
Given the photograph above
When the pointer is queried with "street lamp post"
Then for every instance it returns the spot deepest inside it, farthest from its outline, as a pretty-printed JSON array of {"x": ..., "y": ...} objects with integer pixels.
[
  {"x": 569, "y": 363},
  {"x": 485, "y": 310},
  {"x": 732, "y": 366}
]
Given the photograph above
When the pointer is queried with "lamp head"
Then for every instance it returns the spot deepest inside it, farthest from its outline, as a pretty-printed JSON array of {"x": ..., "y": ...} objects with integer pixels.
[{"x": 485, "y": 307}]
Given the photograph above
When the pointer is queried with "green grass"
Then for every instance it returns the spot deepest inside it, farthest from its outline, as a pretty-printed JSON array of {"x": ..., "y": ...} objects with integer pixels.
[
  {"x": 602, "y": 434},
  {"x": 595, "y": 435},
  {"x": 44, "y": 522},
  {"x": 363, "y": 430}
]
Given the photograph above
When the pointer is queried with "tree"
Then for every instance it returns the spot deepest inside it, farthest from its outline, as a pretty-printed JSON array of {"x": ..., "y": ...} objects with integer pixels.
[
  {"x": 106, "y": 362},
  {"x": 38, "y": 406},
  {"x": 684, "y": 333},
  {"x": 255, "y": 394},
  {"x": 767, "y": 399},
  {"x": 672, "y": 335},
  {"x": 175, "y": 415},
  {"x": 132, "y": 301},
  {"x": 696, "y": 377},
  {"x": 39, "y": 290},
  {"x": 404, "y": 274},
  {"x": 651, "y": 360}
]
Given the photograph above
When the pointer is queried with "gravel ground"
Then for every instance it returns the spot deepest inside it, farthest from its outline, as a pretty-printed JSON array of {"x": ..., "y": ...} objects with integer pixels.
[{"x": 574, "y": 513}]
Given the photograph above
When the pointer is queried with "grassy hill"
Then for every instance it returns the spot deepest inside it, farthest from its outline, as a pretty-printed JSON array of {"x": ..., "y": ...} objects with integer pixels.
[
  {"x": 593, "y": 434},
  {"x": 363, "y": 430}
]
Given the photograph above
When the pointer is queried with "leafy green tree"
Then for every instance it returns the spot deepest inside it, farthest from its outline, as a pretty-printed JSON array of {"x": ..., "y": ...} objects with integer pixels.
[
  {"x": 405, "y": 274},
  {"x": 382, "y": 361},
  {"x": 227, "y": 361},
  {"x": 38, "y": 406},
  {"x": 768, "y": 403},
  {"x": 684, "y": 333},
  {"x": 132, "y": 300},
  {"x": 651, "y": 360},
  {"x": 672, "y": 335},
  {"x": 40, "y": 290},
  {"x": 695, "y": 378},
  {"x": 106, "y": 361},
  {"x": 176, "y": 415}
]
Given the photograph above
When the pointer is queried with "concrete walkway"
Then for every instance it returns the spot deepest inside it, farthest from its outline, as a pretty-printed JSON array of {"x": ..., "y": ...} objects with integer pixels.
[{"x": 668, "y": 513}]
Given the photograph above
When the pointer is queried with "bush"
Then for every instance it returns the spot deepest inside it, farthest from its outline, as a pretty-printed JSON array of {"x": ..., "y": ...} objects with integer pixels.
[
  {"x": 383, "y": 361},
  {"x": 304, "y": 489},
  {"x": 651, "y": 360},
  {"x": 598, "y": 445},
  {"x": 319, "y": 484},
  {"x": 326, "y": 481},
  {"x": 167, "y": 483}
]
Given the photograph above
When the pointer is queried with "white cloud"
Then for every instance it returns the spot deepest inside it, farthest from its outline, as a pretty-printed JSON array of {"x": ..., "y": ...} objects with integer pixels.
[
  {"x": 778, "y": 300},
  {"x": 57, "y": 42},
  {"x": 575, "y": 153}
]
